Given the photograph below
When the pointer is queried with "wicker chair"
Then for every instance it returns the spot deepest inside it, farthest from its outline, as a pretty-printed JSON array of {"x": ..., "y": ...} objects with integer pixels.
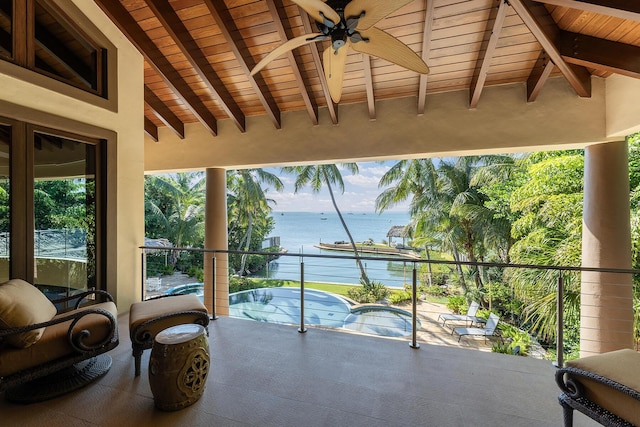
[
  {"x": 49, "y": 358},
  {"x": 594, "y": 386}
]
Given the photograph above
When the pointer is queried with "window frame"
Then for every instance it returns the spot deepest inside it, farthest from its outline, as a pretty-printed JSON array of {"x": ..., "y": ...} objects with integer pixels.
[{"x": 24, "y": 42}]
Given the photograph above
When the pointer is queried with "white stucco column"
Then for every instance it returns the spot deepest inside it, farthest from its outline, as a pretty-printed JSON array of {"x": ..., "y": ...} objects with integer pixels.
[
  {"x": 215, "y": 237},
  {"x": 606, "y": 315}
]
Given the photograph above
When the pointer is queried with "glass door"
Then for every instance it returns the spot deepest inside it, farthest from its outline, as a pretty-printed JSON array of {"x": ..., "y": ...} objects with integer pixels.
[{"x": 64, "y": 211}]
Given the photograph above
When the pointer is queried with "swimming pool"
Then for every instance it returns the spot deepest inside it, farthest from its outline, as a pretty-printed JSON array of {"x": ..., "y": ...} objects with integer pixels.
[
  {"x": 282, "y": 305},
  {"x": 324, "y": 309}
]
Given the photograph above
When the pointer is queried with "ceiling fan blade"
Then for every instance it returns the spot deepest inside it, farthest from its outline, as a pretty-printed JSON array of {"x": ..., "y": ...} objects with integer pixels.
[
  {"x": 374, "y": 10},
  {"x": 287, "y": 46},
  {"x": 334, "y": 62},
  {"x": 383, "y": 45},
  {"x": 317, "y": 8}
]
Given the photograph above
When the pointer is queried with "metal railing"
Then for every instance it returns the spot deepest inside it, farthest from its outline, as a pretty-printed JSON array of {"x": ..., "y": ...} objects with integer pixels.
[{"x": 319, "y": 261}]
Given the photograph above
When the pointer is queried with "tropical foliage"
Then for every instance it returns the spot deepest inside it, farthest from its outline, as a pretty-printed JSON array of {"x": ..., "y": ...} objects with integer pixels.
[
  {"x": 524, "y": 209},
  {"x": 175, "y": 207},
  {"x": 248, "y": 215}
]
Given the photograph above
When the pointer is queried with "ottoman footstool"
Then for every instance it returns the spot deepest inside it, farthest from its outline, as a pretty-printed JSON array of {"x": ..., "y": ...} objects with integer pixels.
[{"x": 147, "y": 318}]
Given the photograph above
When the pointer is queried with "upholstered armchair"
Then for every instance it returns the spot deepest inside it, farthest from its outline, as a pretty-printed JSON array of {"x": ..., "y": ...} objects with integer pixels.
[{"x": 45, "y": 351}]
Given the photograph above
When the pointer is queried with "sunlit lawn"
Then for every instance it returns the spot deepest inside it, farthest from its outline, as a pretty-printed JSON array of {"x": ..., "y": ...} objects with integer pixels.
[
  {"x": 334, "y": 288},
  {"x": 327, "y": 287}
]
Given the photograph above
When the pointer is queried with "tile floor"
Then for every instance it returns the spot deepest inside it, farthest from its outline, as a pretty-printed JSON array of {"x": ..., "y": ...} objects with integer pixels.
[{"x": 271, "y": 375}]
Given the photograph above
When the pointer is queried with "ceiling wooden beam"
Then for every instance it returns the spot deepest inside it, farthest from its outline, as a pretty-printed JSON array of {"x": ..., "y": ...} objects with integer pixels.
[
  {"x": 281, "y": 21},
  {"x": 487, "y": 49},
  {"x": 240, "y": 50},
  {"x": 181, "y": 89},
  {"x": 368, "y": 84},
  {"x": 163, "y": 113},
  {"x": 624, "y": 9},
  {"x": 539, "y": 75},
  {"x": 601, "y": 54},
  {"x": 150, "y": 129},
  {"x": 536, "y": 17},
  {"x": 315, "y": 53},
  {"x": 190, "y": 49},
  {"x": 426, "y": 50}
]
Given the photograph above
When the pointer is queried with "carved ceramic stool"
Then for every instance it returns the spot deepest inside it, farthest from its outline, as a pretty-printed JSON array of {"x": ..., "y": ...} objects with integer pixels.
[{"x": 179, "y": 366}]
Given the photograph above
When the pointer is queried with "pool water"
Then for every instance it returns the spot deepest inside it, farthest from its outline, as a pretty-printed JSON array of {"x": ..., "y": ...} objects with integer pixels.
[
  {"x": 282, "y": 305},
  {"x": 380, "y": 320}
]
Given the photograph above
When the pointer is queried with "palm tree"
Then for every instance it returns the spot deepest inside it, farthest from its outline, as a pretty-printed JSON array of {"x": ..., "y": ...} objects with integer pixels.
[
  {"x": 317, "y": 176},
  {"x": 446, "y": 204},
  {"x": 176, "y": 202},
  {"x": 408, "y": 179},
  {"x": 248, "y": 202}
]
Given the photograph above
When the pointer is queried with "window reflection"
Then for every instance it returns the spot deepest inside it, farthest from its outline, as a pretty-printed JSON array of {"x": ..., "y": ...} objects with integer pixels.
[
  {"x": 5, "y": 144},
  {"x": 64, "y": 214},
  {"x": 6, "y": 28}
]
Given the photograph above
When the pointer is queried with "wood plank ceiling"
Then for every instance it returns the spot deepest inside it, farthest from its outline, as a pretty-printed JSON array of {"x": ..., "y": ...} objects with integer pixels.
[{"x": 199, "y": 53}]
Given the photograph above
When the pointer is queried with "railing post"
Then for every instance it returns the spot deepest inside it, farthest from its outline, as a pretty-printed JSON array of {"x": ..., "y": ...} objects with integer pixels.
[
  {"x": 414, "y": 311},
  {"x": 143, "y": 274},
  {"x": 302, "y": 329},
  {"x": 560, "y": 320},
  {"x": 213, "y": 288}
]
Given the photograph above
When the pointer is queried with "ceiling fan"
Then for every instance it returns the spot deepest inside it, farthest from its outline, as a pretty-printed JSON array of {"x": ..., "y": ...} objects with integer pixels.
[{"x": 350, "y": 23}]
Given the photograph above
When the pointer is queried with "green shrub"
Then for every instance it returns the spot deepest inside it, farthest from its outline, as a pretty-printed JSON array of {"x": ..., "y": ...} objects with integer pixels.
[
  {"x": 400, "y": 297},
  {"x": 457, "y": 304},
  {"x": 196, "y": 272},
  {"x": 237, "y": 284},
  {"x": 371, "y": 293},
  {"x": 434, "y": 290},
  {"x": 167, "y": 270},
  {"x": 514, "y": 338}
]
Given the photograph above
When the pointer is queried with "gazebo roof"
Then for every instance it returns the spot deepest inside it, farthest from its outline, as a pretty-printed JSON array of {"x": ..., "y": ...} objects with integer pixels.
[{"x": 397, "y": 231}]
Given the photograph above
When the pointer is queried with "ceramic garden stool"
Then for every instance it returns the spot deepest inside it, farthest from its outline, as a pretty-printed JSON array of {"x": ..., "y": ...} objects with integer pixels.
[
  {"x": 147, "y": 318},
  {"x": 179, "y": 366}
]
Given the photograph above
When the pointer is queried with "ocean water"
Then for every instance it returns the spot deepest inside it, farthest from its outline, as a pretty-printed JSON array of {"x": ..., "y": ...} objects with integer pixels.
[{"x": 300, "y": 231}]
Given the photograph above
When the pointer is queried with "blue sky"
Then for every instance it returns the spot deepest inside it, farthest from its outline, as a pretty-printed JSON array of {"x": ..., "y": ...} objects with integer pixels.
[{"x": 359, "y": 195}]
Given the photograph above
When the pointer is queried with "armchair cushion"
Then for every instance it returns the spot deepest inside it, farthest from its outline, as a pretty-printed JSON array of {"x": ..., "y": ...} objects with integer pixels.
[
  {"x": 54, "y": 343},
  {"x": 22, "y": 304},
  {"x": 619, "y": 366}
]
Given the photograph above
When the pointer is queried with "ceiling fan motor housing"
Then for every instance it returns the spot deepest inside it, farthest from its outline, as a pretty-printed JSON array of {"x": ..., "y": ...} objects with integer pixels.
[{"x": 340, "y": 31}]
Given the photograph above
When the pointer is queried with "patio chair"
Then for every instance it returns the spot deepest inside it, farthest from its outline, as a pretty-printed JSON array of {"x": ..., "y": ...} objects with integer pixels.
[
  {"x": 605, "y": 387},
  {"x": 469, "y": 318},
  {"x": 489, "y": 330},
  {"x": 45, "y": 351}
]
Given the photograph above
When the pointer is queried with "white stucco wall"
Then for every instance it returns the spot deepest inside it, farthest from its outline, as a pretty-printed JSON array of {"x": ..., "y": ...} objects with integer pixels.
[
  {"x": 623, "y": 105},
  {"x": 30, "y": 97}
]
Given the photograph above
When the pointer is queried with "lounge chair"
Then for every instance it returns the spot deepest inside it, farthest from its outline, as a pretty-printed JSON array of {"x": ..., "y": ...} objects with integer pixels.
[
  {"x": 604, "y": 387},
  {"x": 46, "y": 350},
  {"x": 488, "y": 331},
  {"x": 469, "y": 318}
]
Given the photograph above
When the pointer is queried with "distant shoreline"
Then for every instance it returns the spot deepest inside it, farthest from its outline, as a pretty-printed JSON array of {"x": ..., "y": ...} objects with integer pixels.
[{"x": 346, "y": 247}]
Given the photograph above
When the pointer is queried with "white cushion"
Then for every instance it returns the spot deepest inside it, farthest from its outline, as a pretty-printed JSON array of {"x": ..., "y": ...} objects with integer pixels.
[{"x": 22, "y": 304}]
